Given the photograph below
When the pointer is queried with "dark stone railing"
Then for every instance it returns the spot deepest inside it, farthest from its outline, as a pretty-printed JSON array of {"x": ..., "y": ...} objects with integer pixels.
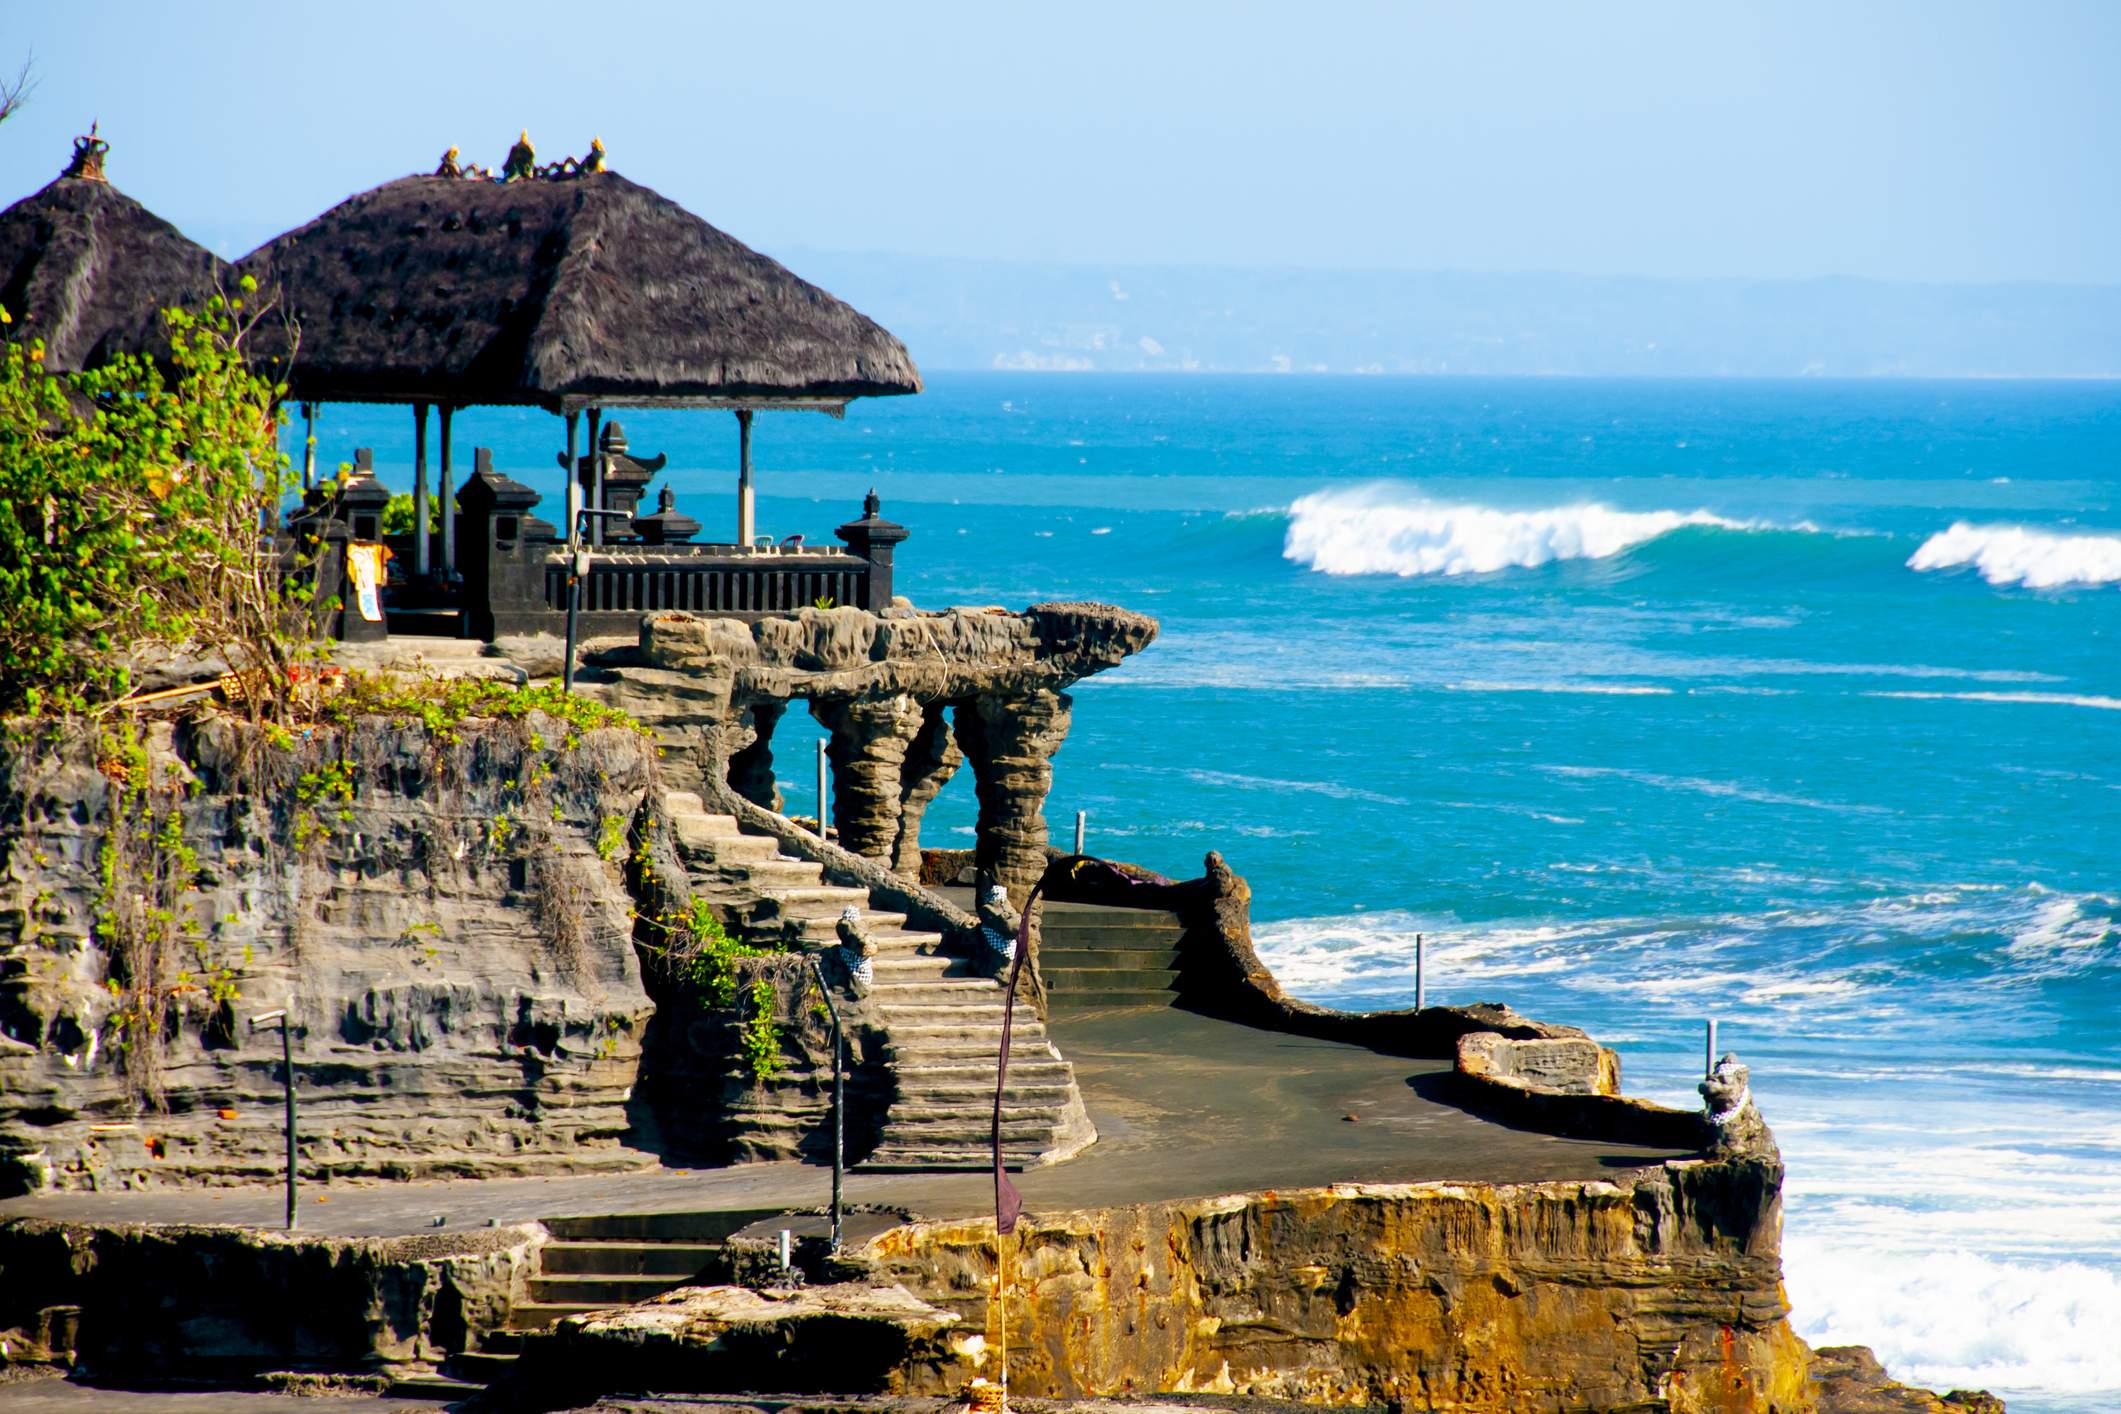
[{"x": 514, "y": 566}]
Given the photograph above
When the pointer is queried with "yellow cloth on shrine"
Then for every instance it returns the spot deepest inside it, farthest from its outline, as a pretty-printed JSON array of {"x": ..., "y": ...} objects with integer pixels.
[{"x": 364, "y": 569}]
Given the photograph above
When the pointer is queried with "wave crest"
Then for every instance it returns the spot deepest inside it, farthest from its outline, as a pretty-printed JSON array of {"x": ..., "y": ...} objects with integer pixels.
[
  {"x": 2012, "y": 554},
  {"x": 1370, "y": 531}
]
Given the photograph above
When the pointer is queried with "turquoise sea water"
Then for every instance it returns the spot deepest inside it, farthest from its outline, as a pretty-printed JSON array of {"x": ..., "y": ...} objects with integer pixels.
[{"x": 1645, "y": 702}]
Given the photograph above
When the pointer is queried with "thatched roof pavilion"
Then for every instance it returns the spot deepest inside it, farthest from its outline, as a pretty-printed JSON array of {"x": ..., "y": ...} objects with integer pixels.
[
  {"x": 562, "y": 290},
  {"x": 565, "y": 287},
  {"x": 89, "y": 270}
]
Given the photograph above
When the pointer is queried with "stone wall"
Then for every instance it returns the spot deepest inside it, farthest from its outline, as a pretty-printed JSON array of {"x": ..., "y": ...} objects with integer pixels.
[
  {"x": 225, "y": 1303},
  {"x": 1661, "y": 1291},
  {"x": 434, "y": 910}
]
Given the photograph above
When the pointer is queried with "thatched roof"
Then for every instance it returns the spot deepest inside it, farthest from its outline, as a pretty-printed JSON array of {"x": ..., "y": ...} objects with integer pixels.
[
  {"x": 88, "y": 269},
  {"x": 558, "y": 291}
]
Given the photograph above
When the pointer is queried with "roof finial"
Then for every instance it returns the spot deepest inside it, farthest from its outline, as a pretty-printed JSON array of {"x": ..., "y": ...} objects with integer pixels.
[
  {"x": 87, "y": 163},
  {"x": 449, "y": 167},
  {"x": 522, "y": 163},
  {"x": 594, "y": 162}
]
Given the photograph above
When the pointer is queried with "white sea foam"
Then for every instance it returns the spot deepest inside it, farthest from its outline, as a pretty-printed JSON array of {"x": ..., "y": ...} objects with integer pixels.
[
  {"x": 2013, "y": 554},
  {"x": 1956, "y": 1319},
  {"x": 1594, "y": 689},
  {"x": 2043, "y": 699},
  {"x": 1375, "y": 530}
]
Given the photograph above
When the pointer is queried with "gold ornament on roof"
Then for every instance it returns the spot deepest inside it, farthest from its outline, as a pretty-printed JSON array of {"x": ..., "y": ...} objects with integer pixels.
[
  {"x": 87, "y": 163},
  {"x": 522, "y": 163}
]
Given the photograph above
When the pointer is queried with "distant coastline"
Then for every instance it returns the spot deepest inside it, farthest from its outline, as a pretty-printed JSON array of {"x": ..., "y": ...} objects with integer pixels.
[{"x": 964, "y": 315}]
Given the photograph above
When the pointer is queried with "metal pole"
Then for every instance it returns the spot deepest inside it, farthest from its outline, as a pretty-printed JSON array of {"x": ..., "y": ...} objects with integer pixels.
[
  {"x": 746, "y": 514},
  {"x": 839, "y": 1100},
  {"x": 821, "y": 790},
  {"x": 1082, "y": 818},
  {"x": 287, "y": 1071},
  {"x": 419, "y": 489},
  {"x": 596, "y": 473},
  {"x": 1421, "y": 991},
  {"x": 577, "y": 558},
  {"x": 449, "y": 499},
  {"x": 1708, "y": 1063},
  {"x": 309, "y": 445}
]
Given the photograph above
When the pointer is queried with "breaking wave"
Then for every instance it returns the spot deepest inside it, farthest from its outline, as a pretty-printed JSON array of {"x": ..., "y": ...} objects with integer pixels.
[
  {"x": 1956, "y": 1319},
  {"x": 1372, "y": 530},
  {"x": 2012, "y": 554}
]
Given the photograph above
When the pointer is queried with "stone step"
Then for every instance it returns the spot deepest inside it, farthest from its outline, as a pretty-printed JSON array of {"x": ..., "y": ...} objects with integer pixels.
[
  {"x": 1111, "y": 1001},
  {"x": 701, "y": 830},
  {"x": 1110, "y": 920},
  {"x": 625, "y": 1259},
  {"x": 706, "y": 1227},
  {"x": 1054, "y": 959},
  {"x": 773, "y": 876},
  {"x": 980, "y": 1092},
  {"x": 539, "y": 1315},
  {"x": 480, "y": 1367},
  {"x": 898, "y": 990},
  {"x": 915, "y": 1114},
  {"x": 436, "y": 1387},
  {"x": 736, "y": 849},
  {"x": 897, "y": 964},
  {"x": 964, "y": 1072},
  {"x": 599, "y": 1290},
  {"x": 931, "y": 1158}
]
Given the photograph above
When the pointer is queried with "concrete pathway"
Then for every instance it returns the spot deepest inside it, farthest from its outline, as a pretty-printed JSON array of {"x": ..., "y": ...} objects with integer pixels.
[{"x": 1185, "y": 1106}]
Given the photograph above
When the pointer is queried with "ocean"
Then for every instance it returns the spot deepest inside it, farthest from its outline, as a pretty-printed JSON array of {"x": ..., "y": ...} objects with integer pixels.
[{"x": 1796, "y": 705}]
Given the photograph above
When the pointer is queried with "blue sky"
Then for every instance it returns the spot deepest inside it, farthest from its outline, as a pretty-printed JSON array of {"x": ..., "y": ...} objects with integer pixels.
[{"x": 1924, "y": 141}]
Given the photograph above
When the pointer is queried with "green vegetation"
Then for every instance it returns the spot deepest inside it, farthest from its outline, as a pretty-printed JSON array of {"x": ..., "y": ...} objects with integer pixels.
[
  {"x": 146, "y": 914},
  {"x": 761, "y": 1034},
  {"x": 397, "y": 514},
  {"x": 441, "y": 705},
  {"x": 134, "y": 512}
]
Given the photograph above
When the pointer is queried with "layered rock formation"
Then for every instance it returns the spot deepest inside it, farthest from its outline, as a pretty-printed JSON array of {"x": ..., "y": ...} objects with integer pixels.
[
  {"x": 1660, "y": 1291},
  {"x": 432, "y": 909},
  {"x": 218, "y": 1302},
  {"x": 905, "y": 696}
]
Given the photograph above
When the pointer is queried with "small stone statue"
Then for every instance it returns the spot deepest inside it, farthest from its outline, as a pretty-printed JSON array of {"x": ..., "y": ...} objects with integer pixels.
[
  {"x": 1728, "y": 1095},
  {"x": 857, "y": 951},
  {"x": 997, "y": 925}
]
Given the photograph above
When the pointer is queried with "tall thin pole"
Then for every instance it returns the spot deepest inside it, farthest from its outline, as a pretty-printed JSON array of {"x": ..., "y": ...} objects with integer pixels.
[
  {"x": 309, "y": 445},
  {"x": 287, "y": 1072},
  {"x": 821, "y": 789},
  {"x": 449, "y": 498},
  {"x": 1708, "y": 1062},
  {"x": 596, "y": 474},
  {"x": 1421, "y": 993},
  {"x": 746, "y": 510},
  {"x": 577, "y": 557},
  {"x": 287, "y": 1068},
  {"x": 839, "y": 1100},
  {"x": 1082, "y": 820},
  {"x": 419, "y": 489}
]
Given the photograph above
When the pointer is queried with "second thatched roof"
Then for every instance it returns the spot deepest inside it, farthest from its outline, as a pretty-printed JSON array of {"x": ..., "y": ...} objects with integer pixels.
[
  {"x": 558, "y": 291},
  {"x": 89, "y": 270}
]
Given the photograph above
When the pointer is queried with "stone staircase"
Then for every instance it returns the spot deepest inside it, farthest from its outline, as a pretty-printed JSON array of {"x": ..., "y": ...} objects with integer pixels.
[
  {"x": 591, "y": 1264},
  {"x": 1097, "y": 956},
  {"x": 942, "y": 1014}
]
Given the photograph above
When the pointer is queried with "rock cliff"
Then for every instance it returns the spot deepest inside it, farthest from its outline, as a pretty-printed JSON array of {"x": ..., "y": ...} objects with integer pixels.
[{"x": 434, "y": 908}]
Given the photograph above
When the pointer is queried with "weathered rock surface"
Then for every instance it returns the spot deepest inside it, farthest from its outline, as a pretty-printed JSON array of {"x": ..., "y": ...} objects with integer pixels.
[
  {"x": 455, "y": 956},
  {"x": 1661, "y": 1293},
  {"x": 216, "y": 1302},
  {"x": 1851, "y": 1381},
  {"x": 852, "y": 1337}
]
